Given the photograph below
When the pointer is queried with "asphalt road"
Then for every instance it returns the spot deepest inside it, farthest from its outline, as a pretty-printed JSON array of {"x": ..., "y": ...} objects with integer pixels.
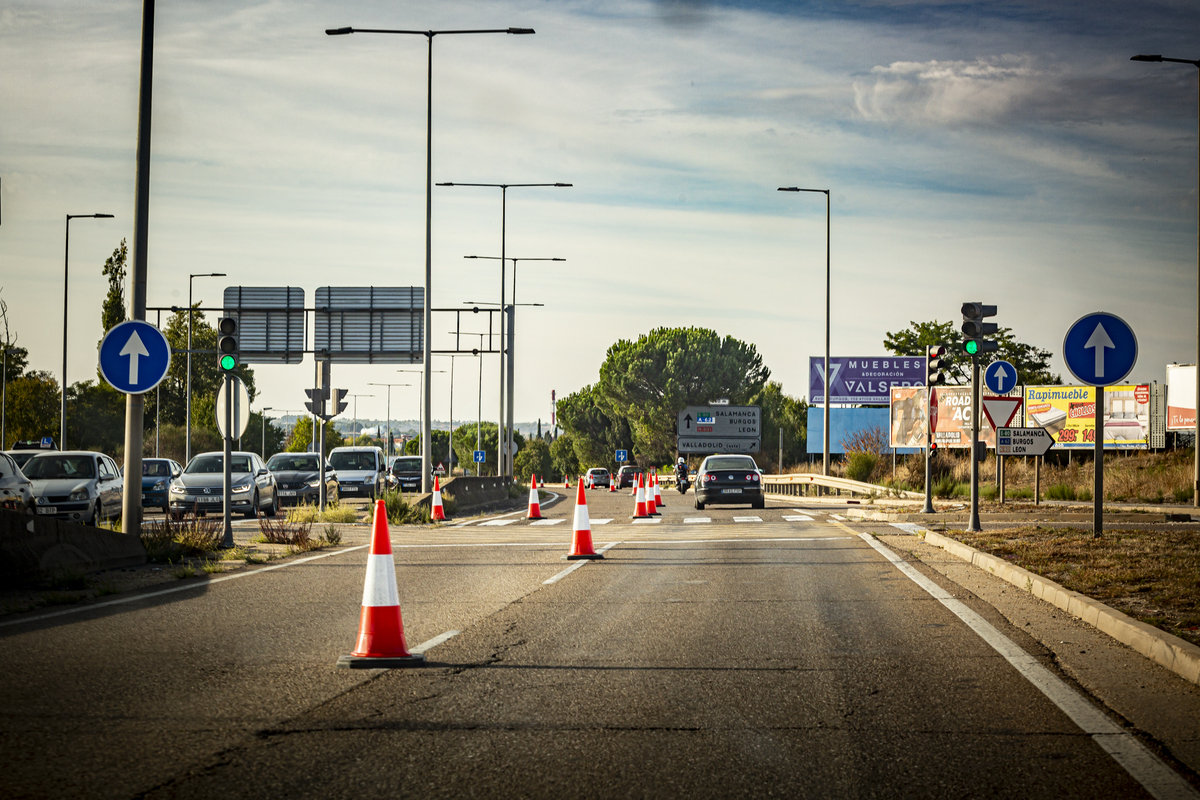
[{"x": 729, "y": 652}]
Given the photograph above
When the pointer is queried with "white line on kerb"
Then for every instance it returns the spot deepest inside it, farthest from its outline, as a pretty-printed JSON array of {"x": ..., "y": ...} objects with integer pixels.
[
  {"x": 1156, "y": 777},
  {"x": 577, "y": 565}
]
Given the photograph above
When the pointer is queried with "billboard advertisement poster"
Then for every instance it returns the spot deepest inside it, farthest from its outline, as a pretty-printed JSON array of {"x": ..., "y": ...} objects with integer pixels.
[
  {"x": 863, "y": 380},
  {"x": 909, "y": 412},
  {"x": 951, "y": 409},
  {"x": 1181, "y": 397},
  {"x": 1068, "y": 413}
]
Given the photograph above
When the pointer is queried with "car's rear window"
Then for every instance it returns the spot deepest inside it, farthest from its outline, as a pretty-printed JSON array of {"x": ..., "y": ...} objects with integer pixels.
[{"x": 731, "y": 462}]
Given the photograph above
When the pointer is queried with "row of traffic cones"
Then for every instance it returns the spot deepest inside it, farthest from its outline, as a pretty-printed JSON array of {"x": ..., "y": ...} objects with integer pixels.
[{"x": 381, "y": 643}]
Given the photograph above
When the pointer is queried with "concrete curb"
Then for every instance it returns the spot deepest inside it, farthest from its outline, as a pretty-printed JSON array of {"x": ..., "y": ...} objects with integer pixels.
[
  {"x": 1049, "y": 515},
  {"x": 1182, "y": 658}
]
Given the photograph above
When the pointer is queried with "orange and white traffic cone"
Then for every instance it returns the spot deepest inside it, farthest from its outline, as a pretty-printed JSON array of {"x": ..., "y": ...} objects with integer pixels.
[
  {"x": 612, "y": 483},
  {"x": 651, "y": 506},
  {"x": 438, "y": 513},
  {"x": 567, "y": 481},
  {"x": 380, "y": 629},
  {"x": 639, "y": 508},
  {"x": 535, "y": 506},
  {"x": 581, "y": 543},
  {"x": 658, "y": 501}
]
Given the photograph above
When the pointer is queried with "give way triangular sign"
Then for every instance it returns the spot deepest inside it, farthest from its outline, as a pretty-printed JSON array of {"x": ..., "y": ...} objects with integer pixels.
[{"x": 1000, "y": 411}]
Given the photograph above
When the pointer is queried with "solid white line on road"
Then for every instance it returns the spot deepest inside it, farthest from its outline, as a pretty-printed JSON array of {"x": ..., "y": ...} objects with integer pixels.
[
  {"x": 548, "y": 521},
  {"x": 183, "y": 588},
  {"x": 434, "y": 642},
  {"x": 747, "y": 519},
  {"x": 1156, "y": 777},
  {"x": 687, "y": 520},
  {"x": 797, "y": 518},
  {"x": 577, "y": 565}
]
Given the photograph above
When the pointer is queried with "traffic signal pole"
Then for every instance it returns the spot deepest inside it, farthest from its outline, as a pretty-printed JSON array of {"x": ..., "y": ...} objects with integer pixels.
[
  {"x": 227, "y": 478},
  {"x": 973, "y": 526},
  {"x": 974, "y": 329}
]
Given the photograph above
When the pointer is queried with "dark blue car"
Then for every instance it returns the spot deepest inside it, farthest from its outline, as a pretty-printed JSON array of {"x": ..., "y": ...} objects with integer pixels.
[{"x": 156, "y": 480}]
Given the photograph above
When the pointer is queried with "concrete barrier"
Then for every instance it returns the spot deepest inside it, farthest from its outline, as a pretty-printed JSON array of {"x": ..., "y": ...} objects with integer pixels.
[
  {"x": 472, "y": 494},
  {"x": 32, "y": 547}
]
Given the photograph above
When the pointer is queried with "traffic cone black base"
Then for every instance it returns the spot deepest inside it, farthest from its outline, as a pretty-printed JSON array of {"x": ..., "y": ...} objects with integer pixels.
[
  {"x": 586, "y": 557},
  {"x": 357, "y": 662}
]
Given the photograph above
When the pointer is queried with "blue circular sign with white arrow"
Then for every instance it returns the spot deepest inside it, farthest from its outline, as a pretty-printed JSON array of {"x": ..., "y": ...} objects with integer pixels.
[
  {"x": 1000, "y": 377},
  {"x": 1100, "y": 349},
  {"x": 134, "y": 357}
]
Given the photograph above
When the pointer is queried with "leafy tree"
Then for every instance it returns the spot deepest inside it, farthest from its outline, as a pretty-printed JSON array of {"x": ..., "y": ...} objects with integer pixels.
[
  {"x": 563, "y": 459},
  {"x": 33, "y": 407},
  {"x": 1032, "y": 363},
  {"x": 781, "y": 412},
  {"x": 597, "y": 430},
  {"x": 252, "y": 439},
  {"x": 95, "y": 418},
  {"x": 113, "y": 312},
  {"x": 17, "y": 358},
  {"x": 302, "y": 434},
  {"x": 533, "y": 459},
  {"x": 649, "y": 381}
]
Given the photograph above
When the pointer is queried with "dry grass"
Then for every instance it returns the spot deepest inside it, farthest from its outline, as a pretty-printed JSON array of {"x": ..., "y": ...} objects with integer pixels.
[{"x": 1153, "y": 576}]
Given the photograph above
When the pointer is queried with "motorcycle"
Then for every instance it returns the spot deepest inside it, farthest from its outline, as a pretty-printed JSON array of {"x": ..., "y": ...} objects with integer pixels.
[{"x": 682, "y": 483}]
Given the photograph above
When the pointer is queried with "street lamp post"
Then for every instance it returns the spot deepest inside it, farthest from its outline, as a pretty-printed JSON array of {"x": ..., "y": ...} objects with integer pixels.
[
  {"x": 479, "y": 406},
  {"x": 512, "y": 337},
  {"x": 825, "y": 422},
  {"x": 423, "y": 415},
  {"x": 354, "y": 425},
  {"x": 62, "y": 420},
  {"x": 505, "y": 438},
  {"x": 427, "y": 405},
  {"x": 187, "y": 446},
  {"x": 388, "y": 441},
  {"x": 1196, "y": 441}
]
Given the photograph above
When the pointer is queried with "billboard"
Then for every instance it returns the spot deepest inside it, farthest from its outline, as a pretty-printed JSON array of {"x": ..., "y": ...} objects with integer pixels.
[
  {"x": 845, "y": 423},
  {"x": 909, "y": 416},
  {"x": 1181, "y": 397},
  {"x": 863, "y": 380},
  {"x": 1068, "y": 413}
]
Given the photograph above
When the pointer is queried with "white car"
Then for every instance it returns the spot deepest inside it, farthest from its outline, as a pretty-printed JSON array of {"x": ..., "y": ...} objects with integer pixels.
[
  {"x": 361, "y": 471},
  {"x": 78, "y": 485}
]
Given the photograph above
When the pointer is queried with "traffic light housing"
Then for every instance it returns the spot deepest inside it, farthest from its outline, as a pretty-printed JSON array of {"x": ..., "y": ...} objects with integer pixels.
[
  {"x": 227, "y": 343},
  {"x": 316, "y": 402},
  {"x": 974, "y": 329},
  {"x": 935, "y": 362},
  {"x": 337, "y": 401}
]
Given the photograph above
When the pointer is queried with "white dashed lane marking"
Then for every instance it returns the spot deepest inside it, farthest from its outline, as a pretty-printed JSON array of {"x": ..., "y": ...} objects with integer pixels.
[
  {"x": 547, "y": 522},
  {"x": 687, "y": 520},
  {"x": 747, "y": 519}
]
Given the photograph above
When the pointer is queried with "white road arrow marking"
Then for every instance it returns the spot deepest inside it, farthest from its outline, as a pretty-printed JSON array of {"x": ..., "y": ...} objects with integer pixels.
[
  {"x": 134, "y": 348},
  {"x": 1099, "y": 340}
]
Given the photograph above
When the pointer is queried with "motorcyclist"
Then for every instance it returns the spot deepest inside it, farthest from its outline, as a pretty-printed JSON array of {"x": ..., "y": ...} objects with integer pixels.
[{"x": 681, "y": 473}]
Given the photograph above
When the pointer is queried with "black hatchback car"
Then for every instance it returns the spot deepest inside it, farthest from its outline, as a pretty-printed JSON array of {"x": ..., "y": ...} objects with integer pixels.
[
  {"x": 729, "y": 479},
  {"x": 627, "y": 476}
]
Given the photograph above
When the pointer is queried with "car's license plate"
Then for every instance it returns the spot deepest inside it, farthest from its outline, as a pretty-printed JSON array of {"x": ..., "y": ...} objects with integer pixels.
[
  {"x": 209, "y": 499},
  {"x": 47, "y": 510},
  {"x": 731, "y": 491},
  {"x": 286, "y": 493},
  {"x": 346, "y": 488}
]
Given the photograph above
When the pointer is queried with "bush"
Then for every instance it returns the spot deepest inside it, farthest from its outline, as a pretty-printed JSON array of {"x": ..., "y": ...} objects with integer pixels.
[
  {"x": 399, "y": 512},
  {"x": 1061, "y": 491},
  {"x": 284, "y": 532},
  {"x": 166, "y": 540},
  {"x": 945, "y": 487},
  {"x": 860, "y": 466}
]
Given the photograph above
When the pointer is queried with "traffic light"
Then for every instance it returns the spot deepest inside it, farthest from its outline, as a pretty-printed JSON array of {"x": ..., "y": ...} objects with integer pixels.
[
  {"x": 227, "y": 343},
  {"x": 316, "y": 401},
  {"x": 974, "y": 329},
  {"x": 338, "y": 402},
  {"x": 935, "y": 361}
]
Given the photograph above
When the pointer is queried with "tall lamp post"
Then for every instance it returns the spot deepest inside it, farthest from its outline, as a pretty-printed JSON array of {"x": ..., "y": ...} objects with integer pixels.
[
  {"x": 512, "y": 336},
  {"x": 262, "y": 412},
  {"x": 187, "y": 447},
  {"x": 825, "y": 422},
  {"x": 427, "y": 405},
  {"x": 388, "y": 441},
  {"x": 62, "y": 420},
  {"x": 479, "y": 406},
  {"x": 1196, "y": 443},
  {"x": 354, "y": 424},
  {"x": 507, "y": 437}
]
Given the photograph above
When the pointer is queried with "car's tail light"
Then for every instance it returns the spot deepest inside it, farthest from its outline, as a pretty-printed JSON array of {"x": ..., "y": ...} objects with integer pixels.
[
  {"x": 753, "y": 476},
  {"x": 708, "y": 476}
]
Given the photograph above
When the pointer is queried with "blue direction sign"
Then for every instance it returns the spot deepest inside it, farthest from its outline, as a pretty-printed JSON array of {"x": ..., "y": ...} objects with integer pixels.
[
  {"x": 480, "y": 456},
  {"x": 1100, "y": 349},
  {"x": 134, "y": 357},
  {"x": 1000, "y": 377},
  {"x": 622, "y": 456}
]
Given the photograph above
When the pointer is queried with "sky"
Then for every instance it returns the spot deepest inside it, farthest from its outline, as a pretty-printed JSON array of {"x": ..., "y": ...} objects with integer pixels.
[{"x": 1004, "y": 152}]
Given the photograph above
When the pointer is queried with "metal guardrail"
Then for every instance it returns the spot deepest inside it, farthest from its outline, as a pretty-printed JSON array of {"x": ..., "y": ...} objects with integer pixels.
[{"x": 802, "y": 484}]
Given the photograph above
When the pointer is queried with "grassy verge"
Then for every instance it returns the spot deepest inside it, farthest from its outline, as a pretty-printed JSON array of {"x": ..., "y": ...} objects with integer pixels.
[{"x": 1153, "y": 576}]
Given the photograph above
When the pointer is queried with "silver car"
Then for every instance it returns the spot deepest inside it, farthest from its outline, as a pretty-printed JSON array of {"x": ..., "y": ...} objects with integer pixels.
[
  {"x": 16, "y": 491},
  {"x": 77, "y": 485},
  {"x": 199, "y": 489}
]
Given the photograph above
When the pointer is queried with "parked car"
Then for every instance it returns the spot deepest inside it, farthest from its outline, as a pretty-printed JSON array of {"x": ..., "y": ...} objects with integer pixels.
[
  {"x": 298, "y": 477},
  {"x": 406, "y": 473},
  {"x": 77, "y": 485},
  {"x": 156, "y": 480},
  {"x": 627, "y": 476},
  {"x": 200, "y": 488},
  {"x": 729, "y": 479},
  {"x": 597, "y": 477},
  {"x": 16, "y": 490},
  {"x": 361, "y": 470}
]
